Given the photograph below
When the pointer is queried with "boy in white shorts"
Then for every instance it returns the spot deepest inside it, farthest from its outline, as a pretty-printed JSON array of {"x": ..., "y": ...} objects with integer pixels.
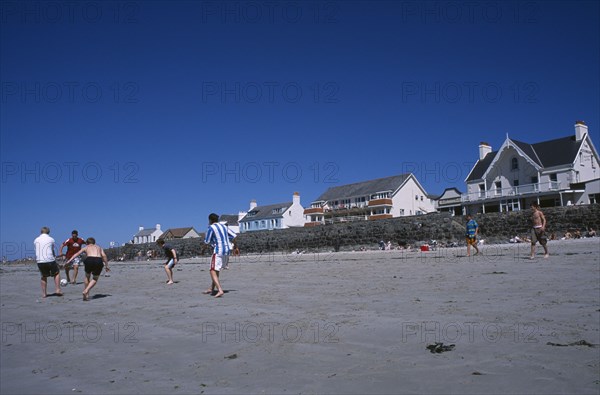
[{"x": 219, "y": 237}]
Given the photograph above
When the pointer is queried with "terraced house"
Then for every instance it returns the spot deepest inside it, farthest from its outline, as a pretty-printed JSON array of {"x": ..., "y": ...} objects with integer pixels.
[
  {"x": 556, "y": 172},
  {"x": 382, "y": 198}
]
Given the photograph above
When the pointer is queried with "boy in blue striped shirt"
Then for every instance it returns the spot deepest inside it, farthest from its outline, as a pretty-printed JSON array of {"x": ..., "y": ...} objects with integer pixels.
[
  {"x": 472, "y": 230},
  {"x": 219, "y": 237}
]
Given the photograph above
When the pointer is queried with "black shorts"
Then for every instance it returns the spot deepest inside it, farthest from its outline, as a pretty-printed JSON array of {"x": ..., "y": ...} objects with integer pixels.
[
  {"x": 48, "y": 269},
  {"x": 94, "y": 265}
]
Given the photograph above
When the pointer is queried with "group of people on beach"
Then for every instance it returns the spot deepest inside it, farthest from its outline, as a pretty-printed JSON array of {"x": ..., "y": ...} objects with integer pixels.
[
  {"x": 219, "y": 236},
  {"x": 94, "y": 262}
]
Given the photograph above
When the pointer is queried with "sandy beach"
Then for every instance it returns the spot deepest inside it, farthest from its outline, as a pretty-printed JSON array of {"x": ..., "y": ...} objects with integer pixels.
[{"x": 347, "y": 322}]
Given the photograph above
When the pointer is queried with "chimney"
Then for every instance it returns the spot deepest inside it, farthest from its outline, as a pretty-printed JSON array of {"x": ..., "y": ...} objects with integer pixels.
[
  {"x": 484, "y": 149},
  {"x": 581, "y": 130},
  {"x": 252, "y": 204},
  {"x": 141, "y": 228},
  {"x": 296, "y": 198},
  {"x": 157, "y": 226}
]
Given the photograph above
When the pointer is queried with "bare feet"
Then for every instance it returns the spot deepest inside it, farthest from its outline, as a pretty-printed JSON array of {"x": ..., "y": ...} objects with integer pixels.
[
  {"x": 531, "y": 257},
  {"x": 85, "y": 297},
  {"x": 208, "y": 292},
  {"x": 44, "y": 296},
  {"x": 219, "y": 294},
  {"x": 547, "y": 255},
  {"x": 170, "y": 282},
  {"x": 58, "y": 293}
]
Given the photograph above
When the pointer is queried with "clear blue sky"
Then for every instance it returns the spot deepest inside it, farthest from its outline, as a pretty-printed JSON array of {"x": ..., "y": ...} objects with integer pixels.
[{"x": 121, "y": 114}]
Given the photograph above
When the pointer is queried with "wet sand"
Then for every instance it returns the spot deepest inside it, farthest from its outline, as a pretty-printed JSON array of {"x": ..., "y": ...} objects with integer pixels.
[{"x": 349, "y": 322}]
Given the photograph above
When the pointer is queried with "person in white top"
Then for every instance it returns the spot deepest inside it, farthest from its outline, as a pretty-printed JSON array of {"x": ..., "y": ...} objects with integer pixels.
[{"x": 46, "y": 261}]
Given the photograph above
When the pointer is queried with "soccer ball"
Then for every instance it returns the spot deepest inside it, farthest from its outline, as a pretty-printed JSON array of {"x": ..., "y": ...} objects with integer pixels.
[{"x": 63, "y": 282}]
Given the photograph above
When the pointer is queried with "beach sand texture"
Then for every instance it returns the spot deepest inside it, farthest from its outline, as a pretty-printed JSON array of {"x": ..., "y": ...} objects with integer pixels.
[{"x": 348, "y": 322}]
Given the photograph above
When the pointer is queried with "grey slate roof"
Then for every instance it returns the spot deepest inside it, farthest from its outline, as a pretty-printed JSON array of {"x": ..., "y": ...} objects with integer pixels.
[
  {"x": 266, "y": 212},
  {"x": 364, "y": 188},
  {"x": 558, "y": 152},
  {"x": 145, "y": 232},
  {"x": 561, "y": 151},
  {"x": 231, "y": 219},
  {"x": 481, "y": 166}
]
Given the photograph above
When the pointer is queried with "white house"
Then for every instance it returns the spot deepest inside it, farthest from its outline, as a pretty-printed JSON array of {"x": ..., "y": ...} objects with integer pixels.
[
  {"x": 388, "y": 197},
  {"x": 552, "y": 173},
  {"x": 273, "y": 216},
  {"x": 180, "y": 233},
  {"x": 147, "y": 235}
]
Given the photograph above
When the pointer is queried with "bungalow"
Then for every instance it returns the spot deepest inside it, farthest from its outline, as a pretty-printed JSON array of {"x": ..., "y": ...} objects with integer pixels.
[
  {"x": 147, "y": 235},
  {"x": 388, "y": 197},
  {"x": 450, "y": 201},
  {"x": 552, "y": 173},
  {"x": 273, "y": 216},
  {"x": 180, "y": 233}
]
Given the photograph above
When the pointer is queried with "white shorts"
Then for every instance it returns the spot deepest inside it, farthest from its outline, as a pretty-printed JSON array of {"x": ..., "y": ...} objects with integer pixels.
[
  {"x": 74, "y": 262},
  {"x": 218, "y": 261},
  {"x": 171, "y": 263}
]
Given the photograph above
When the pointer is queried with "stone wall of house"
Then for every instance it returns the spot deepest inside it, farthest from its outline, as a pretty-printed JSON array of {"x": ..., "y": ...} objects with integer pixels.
[{"x": 415, "y": 230}]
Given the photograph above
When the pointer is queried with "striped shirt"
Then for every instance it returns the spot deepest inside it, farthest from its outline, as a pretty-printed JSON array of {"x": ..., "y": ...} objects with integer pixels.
[
  {"x": 471, "y": 227},
  {"x": 219, "y": 236}
]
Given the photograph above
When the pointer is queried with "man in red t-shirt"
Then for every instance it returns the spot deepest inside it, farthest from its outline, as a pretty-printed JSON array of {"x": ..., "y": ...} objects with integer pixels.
[{"x": 73, "y": 244}]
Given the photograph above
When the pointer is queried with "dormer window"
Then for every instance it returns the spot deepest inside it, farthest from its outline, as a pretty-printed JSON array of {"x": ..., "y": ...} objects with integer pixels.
[
  {"x": 514, "y": 164},
  {"x": 252, "y": 213},
  {"x": 277, "y": 210}
]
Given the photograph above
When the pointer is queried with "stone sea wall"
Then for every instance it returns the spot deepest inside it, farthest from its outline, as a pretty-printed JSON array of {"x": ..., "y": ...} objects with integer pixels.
[{"x": 414, "y": 230}]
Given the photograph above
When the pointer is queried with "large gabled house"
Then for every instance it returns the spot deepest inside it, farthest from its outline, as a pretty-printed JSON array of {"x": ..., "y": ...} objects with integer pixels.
[
  {"x": 382, "y": 198},
  {"x": 273, "y": 216},
  {"x": 556, "y": 172}
]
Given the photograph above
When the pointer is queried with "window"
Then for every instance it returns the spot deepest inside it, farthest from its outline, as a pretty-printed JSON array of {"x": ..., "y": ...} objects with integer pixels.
[
  {"x": 581, "y": 159},
  {"x": 498, "y": 187},
  {"x": 515, "y": 183},
  {"x": 594, "y": 198},
  {"x": 416, "y": 197},
  {"x": 514, "y": 164},
  {"x": 277, "y": 210},
  {"x": 534, "y": 180},
  {"x": 421, "y": 197},
  {"x": 553, "y": 177}
]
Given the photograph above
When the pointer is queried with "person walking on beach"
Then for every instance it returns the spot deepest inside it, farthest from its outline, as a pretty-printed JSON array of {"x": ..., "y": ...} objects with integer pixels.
[
  {"x": 172, "y": 259},
  {"x": 220, "y": 237},
  {"x": 73, "y": 244},
  {"x": 46, "y": 261},
  {"x": 472, "y": 231},
  {"x": 538, "y": 232},
  {"x": 94, "y": 262}
]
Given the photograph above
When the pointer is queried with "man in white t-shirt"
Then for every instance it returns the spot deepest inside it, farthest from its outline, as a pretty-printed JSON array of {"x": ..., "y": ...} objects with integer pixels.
[{"x": 46, "y": 261}]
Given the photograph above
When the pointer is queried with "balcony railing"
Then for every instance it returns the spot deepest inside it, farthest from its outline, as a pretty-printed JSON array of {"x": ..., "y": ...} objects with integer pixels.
[
  {"x": 349, "y": 218},
  {"x": 380, "y": 202},
  {"x": 511, "y": 192},
  {"x": 313, "y": 210}
]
